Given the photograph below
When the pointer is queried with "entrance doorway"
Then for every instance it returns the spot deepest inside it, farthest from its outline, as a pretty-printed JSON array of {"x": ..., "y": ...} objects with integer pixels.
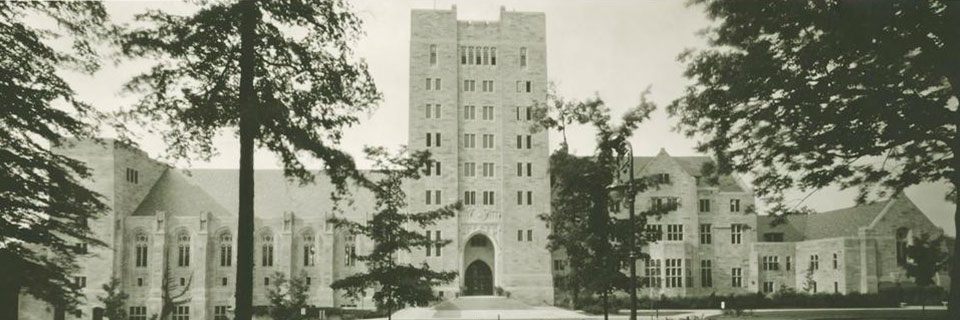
[{"x": 478, "y": 279}]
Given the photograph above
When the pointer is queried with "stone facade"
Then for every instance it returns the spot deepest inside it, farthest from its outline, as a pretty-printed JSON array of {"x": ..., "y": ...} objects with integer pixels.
[{"x": 843, "y": 251}]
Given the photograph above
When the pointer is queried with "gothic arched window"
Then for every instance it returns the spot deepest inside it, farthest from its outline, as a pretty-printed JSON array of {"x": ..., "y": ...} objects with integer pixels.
[
  {"x": 183, "y": 249},
  {"x": 903, "y": 240},
  {"x": 226, "y": 249},
  {"x": 141, "y": 244},
  {"x": 266, "y": 249}
]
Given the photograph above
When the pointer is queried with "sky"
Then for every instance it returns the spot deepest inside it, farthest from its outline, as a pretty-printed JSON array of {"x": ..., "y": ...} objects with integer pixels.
[{"x": 613, "y": 49}]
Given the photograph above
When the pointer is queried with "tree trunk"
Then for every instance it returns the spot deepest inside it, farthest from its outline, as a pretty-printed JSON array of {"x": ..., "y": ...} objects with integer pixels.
[
  {"x": 606, "y": 314},
  {"x": 248, "y": 131},
  {"x": 953, "y": 305},
  {"x": 9, "y": 301}
]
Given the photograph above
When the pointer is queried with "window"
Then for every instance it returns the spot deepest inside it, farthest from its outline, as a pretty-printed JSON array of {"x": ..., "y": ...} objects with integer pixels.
[
  {"x": 687, "y": 264},
  {"x": 813, "y": 286},
  {"x": 486, "y": 86},
  {"x": 767, "y": 286},
  {"x": 674, "y": 279},
  {"x": 519, "y": 235},
  {"x": 523, "y": 57},
  {"x": 220, "y": 313},
  {"x": 226, "y": 250},
  {"x": 139, "y": 282},
  {"x": 141, "y": 252},
  {"x": 223, "y": 281},
  {"x": 139, "y": 313},
  {"x": 469, "y": 169},
  {"x": 469, "y": 85},
  {"x": 469, "y": 112},
  {"x": 183, "y": 250},
  {"x": 770, "y": 263},
  {"x": 652, "y": 273},
  {"x": 704, "y": 205},
  {"x": 529, "y": 235},
  {"x": 309, "y": 280},
  {"x": 432, "y": 167},
  {"x": 470, "y": 55},
  {"x": 836, "y": 261},
  {"x": 787, "y": 263},
  {"x": 493, "y": 56},
  {"x": 773, "y": 237},
  {"x": 655, "y": 231},
  {"x": 488, "y": 169},
  {"x": 524, "y": 113},
  {"x": 478, "y": 55},
  {"x": 183, "y": 282},
  {"x": 469, "y": 197},
  {"x": 433, "y": 139},
  {"x": 524, "y": 86},
  {"x": 706, "y": 233},
  {"x": 734, "y": 205},
  {"x": 486, "y": 56},
  {"x": 815, "y": 262},
  {"x": 463, "y": 55},
  {"x": 266, "y": 281},
  {"x": 519, "y": 142},
  {"x": 433, "y": 197},
  {"x": 81, "y": 248},
  {"x": 736, "y": 233},
  {"x": 309, "y": 250},
  {"x": 469, "y": 140},
  {"x": 520, "y": 166},
  {"x": 836, "y": 287},
  {"x": 433, "y": 84},
  {"x": 432, "y": 111},
  {"x": 529, "y": 198},
  {"x": 528, "y": 141},
  {"x": 663, "y": 178},
  {"x": 81, "y": 282},
  {"x": 181, "y": 313},
  {"x": 903, "y": 239},
  {"x": 674, "y": 232},
  {"x": 478, "y": 242},
  {"x": 487, "y": 113},
  {"x": 488, "y": 198},
  {"x": 437, "y": 244},
  {"x": 428, "y": 247},
  {"x": 664, "y": 203},
  {"x": 266, "y": 250},
  {"x": 520, "y": 197},
  {"x": 559, "y": 265},
  {"x": 736, "y": 277},
  {"x": 706, "y": 273},
  {"x": 133, "y": 176},
  {"x": 350, "y": 255},
  {"x": 529, "y": 169},
  {"x": 433, "y": 54},
  {"x": 488, "y": 141}
]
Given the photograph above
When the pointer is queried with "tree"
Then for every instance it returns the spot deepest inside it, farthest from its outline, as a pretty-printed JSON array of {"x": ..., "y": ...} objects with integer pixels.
[
  {"x": 44, "y": 205},
  {"x": 114, "y": 300},
  {"x": 397, "y": 284},
  {"x": 925, "y": 257},
  {"x": 597, "y": 242},
  {"x": 288, "y": 297},
  {"x": 171, "y": 293},
  {"x": 280, "y": 71},
  {"x": 808, "y": 94}
]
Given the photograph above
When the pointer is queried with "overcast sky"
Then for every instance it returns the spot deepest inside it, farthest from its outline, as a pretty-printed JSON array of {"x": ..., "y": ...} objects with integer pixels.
[{"x": 611, "y": 48}]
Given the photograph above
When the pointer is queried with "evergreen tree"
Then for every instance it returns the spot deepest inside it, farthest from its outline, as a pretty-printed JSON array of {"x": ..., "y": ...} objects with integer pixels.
[
  {"x": 396, "y": 284},
  {"x": 281, "y": 72},
  {"x": 44, "y": 206},
  {"x": 288, "y": 297},
  {"x": 114, "y": 300},
  {"x": 862, "y": 94},
  {"x": 926, "y": 256}
]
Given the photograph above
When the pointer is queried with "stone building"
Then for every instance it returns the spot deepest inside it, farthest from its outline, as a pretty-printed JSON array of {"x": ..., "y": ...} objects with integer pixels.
[
  {"x": 172, "y": 232},
  {"x": 714, "y": 243}
]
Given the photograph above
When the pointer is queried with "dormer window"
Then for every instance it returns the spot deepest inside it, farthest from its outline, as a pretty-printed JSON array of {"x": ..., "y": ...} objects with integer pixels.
[{"x": 663, "y": 178}]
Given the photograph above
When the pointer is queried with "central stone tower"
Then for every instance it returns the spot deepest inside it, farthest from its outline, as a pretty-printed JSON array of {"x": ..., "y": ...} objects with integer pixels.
[{"x": 472, "y": 88}]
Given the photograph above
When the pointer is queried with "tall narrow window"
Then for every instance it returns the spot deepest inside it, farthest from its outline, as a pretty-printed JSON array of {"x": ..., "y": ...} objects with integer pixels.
[
  {"x": 706, "y": 273},
  {"x": 902, "y": 238},
  {"x": 529, "y": 234},
  {"x": 529, "y": 197},
  {"x": 437, "y": 84},
  {"x": 469, "y": 169},
  {"x": 486, "y": 56},
  {"x": 226, "y": 250},
  {"x": 219, "y": 313},
  {"x": 463, "y": 55},
  {"x": 529, "y": 169},
  {"x": 674, "y": 232},
  {"x": 734, "y": 205},
  {"x": 469, "y": 55},
  {"x": 736, "y": 277},
  {"x": 266, "y": 250},
  {"x": 141, "y": 254},
  {"x": 469, "y": 140},
  {"x": 437, "y": 243},
  {"x": 787, "y": 263},
  {"x": 519, "y": 235},
  {"x": 736, "y": 233},
  {"x": 493, "y": 56},
  {"x": 519, "y": 169},
  {"x": 652, "y": 273},
  {"x": 674, "y": 279},
  {"x": 529, "y": 140},
  {"x": 181, "y": 313},
  {"x": 183, "y": 250},
  {"x": 429, "y": 246},
  {"x": 815, "y": 262},
  {"x": 704, "y": 205},
  {"x": 706, "y": 233},
  {"x": 309, "y": 249},
  {"x": 429, "y": 139},
  {"x": 523, "y": 57},
  {"x": 140, "y": 313},
  {"x": 836, "y": 261},
  {"x": 478, "y": 56},
  {"x": 433, "y": 54}
]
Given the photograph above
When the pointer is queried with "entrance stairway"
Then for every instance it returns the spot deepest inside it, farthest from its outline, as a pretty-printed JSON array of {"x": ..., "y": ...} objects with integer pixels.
[{"x": 485, "y": 307}]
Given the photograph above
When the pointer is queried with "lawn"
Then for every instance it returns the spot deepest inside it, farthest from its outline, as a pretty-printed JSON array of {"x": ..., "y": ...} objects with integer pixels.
[{"x": 842, "y": 314}]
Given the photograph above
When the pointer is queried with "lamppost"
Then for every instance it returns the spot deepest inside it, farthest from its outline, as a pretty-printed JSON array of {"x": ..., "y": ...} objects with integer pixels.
[{"x": 630, "y": 191}]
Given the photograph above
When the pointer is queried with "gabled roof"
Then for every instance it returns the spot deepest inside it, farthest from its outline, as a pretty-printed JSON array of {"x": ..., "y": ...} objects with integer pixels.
[
  {"x": 830, "y": 224},
  {"x": 692, "y": 165},
  {"x": 181, "y": 192}
]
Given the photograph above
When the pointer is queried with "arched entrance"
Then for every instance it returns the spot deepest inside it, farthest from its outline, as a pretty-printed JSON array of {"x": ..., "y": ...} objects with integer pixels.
[
  {"x": 478, "y": 279},
  {"x": 478, "y": 259}
]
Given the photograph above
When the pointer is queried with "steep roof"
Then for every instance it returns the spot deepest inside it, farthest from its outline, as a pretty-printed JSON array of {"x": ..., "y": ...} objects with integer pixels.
[
  {"x": 181, "y": 192},
  {"x": 694, "y": 167},
  {"x": 830, "y": 224}
]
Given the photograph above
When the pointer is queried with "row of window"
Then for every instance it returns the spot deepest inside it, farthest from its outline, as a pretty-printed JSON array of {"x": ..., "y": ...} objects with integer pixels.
[
  {"x": 487, "y": 197},
  {"x": 226, "y": 251},
  {"x": 436, "y": 84},
  {"x": 435, "y": 111},
  {"x": 477, "y": 55},
  {"x": 470, "y": 140},
  {"x": 487, "y": 169},
  {"x": 437, "y": 245},
  {"x": 705, "y": 205},
  {"x": 529, "y": 235},
  {"x": 675, "y": 232}
]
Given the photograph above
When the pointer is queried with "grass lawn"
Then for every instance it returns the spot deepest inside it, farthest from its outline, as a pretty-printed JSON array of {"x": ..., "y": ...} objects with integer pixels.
[{"x": 843, "y": 314}]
